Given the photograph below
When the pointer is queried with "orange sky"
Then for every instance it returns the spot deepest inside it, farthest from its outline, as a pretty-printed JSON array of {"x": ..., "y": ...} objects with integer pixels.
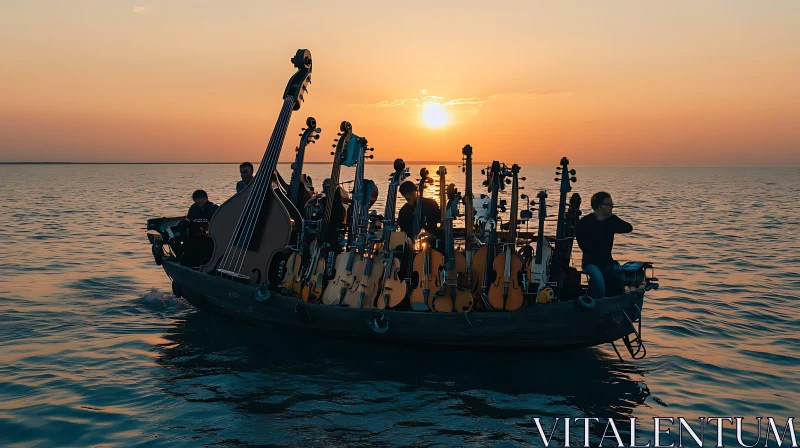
[{"x": 706, "y": 82}]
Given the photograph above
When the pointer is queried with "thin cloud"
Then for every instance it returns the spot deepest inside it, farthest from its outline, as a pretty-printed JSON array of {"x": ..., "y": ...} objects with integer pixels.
[
  {"x": 472, "y": 102},
  {"x": 140, "y": 9}
]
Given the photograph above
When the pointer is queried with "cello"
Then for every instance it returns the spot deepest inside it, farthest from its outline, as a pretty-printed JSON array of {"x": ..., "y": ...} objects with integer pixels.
[
  {"x": 455, "y": 293},
  {"x": 484, "y": 257},
  {"x": 505, "y": 293},
  {"x": 393, "y": 289},
  {"x": 326, "y": 245},
  {"x": 560, "y": 261},
  {"x": 469, "y": 216},
  {"x": 427, "y": 262},
  {"x": 238, "y": 229},
  {"x": 299, "y": 195},
  {"x": 300, "y": 190},
  {"x": 540, "y": 268},
  {"x": 344, "y": 275}
]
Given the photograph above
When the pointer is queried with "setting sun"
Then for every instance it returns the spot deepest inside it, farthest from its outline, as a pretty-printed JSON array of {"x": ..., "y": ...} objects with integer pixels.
[{"x": 434, "y": 115}]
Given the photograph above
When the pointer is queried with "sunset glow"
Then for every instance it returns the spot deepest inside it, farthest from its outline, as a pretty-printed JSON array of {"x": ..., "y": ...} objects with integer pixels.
[{"x": 181, "y": 81}]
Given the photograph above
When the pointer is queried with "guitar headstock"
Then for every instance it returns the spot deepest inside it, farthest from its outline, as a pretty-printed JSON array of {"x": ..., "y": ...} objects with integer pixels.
[
  {"x": 310, "y": 134},
  {"x": 298, "y": 83},
  {"x": 566, "y": 176}
]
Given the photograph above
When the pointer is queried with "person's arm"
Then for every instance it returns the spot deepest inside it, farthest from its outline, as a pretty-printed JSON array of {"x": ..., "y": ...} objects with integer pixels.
[
  {"x": 621, "y": 226},
  {"x": 581, "y": 235}
]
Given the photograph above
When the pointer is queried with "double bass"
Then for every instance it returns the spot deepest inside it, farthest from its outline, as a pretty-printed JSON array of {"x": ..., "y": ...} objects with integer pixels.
[
  {"x": 469, "y": 216},
  {"x": 326, "y": 245},
  {"x": 506, "y": 292},
  {"x": 455, "y": 293},
  {"x": 393, "y": 289},
  {"x": 427, "y": 262},
  {"x": 239, "y": 228}
]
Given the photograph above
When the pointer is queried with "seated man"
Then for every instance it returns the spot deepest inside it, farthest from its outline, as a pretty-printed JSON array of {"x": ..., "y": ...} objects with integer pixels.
[
  {"x": 595, "y": 235},
  {"x": 202, "y": 207},
  {"x": 246, "y": 170},
  {"x": 431, "y": 214}
]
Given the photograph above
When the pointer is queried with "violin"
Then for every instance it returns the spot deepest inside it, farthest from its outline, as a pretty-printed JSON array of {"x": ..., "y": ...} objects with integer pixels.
[
  {"x": 393, "y": 289},
  {"x": 325, "y": 245},
  {"x": 506, "y": 292},
  {"x": 365, "y": 290},
  {"x": 251, "y": 227},
  {"x": 344, "y": 276},
  {"x": 455, "y": 293},
  {"x": 427, "y": 263}
]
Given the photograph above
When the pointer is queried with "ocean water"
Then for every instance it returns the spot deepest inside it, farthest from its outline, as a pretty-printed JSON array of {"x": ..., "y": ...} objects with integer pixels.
[{"x": 96, "y": 351}]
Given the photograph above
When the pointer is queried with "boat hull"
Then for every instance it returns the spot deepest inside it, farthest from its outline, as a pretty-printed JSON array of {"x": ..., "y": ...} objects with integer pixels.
[{"x": 551, "y": 326}]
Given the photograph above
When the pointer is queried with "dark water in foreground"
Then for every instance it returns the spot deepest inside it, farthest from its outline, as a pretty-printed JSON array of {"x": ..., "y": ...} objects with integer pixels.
[{"x": 95, "y": 350}]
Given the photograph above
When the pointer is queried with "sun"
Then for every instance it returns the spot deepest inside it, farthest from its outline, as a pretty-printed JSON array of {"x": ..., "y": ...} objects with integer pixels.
[{"x": 434, "y": 115}]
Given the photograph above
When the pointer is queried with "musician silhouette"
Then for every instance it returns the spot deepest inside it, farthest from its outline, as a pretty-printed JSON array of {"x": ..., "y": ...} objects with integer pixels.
[
  {"x": 246, "y": 170},
  {"x": 595, "y": 235}
]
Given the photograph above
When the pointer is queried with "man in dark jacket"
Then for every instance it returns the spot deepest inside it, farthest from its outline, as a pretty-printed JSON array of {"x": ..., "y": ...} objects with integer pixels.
[
  {"x": 431, "y": 214},
  {"x": 595, "y": 235},
  {"x": 202, "y": 207}
]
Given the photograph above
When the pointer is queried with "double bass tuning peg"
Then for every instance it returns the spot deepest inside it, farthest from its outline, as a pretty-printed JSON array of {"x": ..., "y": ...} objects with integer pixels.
[
  {"x": 572, "y": 172},
  {"x": 523, "y": 178},
  {"x": 573, "y": 179},
  {"x": 370, "y": 156}
]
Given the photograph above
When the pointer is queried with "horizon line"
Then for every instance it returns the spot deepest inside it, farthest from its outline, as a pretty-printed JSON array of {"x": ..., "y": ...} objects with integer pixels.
[{"x": 382, "y": 162}]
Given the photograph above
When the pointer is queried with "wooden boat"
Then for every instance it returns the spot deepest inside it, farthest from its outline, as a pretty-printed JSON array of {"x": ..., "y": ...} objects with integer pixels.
[{"x": 555, "y": 325}]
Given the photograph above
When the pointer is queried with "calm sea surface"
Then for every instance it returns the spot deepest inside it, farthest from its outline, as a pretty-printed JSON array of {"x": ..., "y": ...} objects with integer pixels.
[{"x": 96, "y": 351}]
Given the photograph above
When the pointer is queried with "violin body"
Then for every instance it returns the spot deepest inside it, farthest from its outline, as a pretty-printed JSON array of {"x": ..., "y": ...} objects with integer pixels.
[
  {"x": 291, "y": 278},
  {"x": 456, "y": 294},
  {"x": 273, "y": 220},
  {"x": 505, "y": 293},
  {"x": 479, "y": 267},
  {"x": 314, "y": 285},
  {"x": 393, "y": 289},
  {"x": 343, "y": 278},
  {"x": 540, "y": 272},
  {"x": 426, "y": 271},
  {"x": 368, "y": 274}
]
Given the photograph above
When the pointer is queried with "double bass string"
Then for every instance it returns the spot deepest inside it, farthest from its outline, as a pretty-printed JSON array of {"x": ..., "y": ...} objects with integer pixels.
[
  {"x": 263, "y": 188},
  {"x": 227, "y": 262},
  {"x": 258, "y": 191}
]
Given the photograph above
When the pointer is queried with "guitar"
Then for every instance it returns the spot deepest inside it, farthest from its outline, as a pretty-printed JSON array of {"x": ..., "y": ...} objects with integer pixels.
[
  {"x": 393, "y": 289},
  {"x": 540, "y": 268},
  {"x": 426, "y": 264},
  {"x": 299, "y": 195},
  {"x": 238, "y": 229},
  {"x": 344, "y": 277},
  {"x": 560, "y": 261},
  {"x": 506, "y": 293},
  {"x": 455, "y": 292},
  {"x": 484, "y": 257},
  {"x": 325, "y": 246}
]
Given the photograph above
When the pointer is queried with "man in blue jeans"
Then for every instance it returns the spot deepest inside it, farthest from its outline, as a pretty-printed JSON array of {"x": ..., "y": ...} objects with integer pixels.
[{"x": 595, "y": 235}]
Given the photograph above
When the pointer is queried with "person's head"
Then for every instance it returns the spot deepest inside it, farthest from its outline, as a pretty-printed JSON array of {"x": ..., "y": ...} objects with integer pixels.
[
  {"x": 246, "y": 170},
  {"x": 200, "y": 197},
  {"x": 409, "y": 191},
  {"x": 373, "y": 197},
  {"x": 602, "y": 204}
]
